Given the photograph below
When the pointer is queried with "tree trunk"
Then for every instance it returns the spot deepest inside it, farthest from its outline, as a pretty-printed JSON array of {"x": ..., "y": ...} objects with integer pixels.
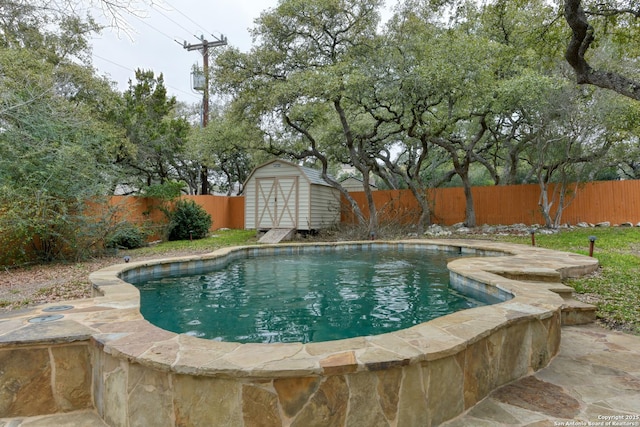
[
  {"x": 359, "y": 160},
  {"x": 372, "y": 228},
  {"x": 558, "y": 216},
  {"x": 204, "y": 180},
  {"x": 512, "y": 170},
  {"x": 422, "y": 197},
  {"x": 544, "y": 203},
  {"x": 413, "y": 182},
  {"x": 470, "y": 212}
]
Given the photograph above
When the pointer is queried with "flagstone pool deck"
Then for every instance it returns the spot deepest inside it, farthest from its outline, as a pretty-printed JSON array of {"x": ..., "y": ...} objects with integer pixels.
[{"x": 101, "y": 353}]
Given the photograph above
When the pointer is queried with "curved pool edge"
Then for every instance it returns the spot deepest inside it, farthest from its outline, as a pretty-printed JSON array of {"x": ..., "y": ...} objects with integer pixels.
[{"x": 391, "y": 378}]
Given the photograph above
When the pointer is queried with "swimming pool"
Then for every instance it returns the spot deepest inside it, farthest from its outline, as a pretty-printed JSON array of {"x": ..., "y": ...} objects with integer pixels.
[
  {"x": 306, "y": 297},
  {"x": 138, "y": 374}
]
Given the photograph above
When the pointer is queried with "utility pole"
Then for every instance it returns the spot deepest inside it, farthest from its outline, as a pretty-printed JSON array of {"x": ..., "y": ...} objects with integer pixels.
[{"x": 203, "y": 47}]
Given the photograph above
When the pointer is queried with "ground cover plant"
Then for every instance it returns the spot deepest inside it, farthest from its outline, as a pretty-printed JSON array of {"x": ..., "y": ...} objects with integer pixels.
[{"x": 614, "y": 288}]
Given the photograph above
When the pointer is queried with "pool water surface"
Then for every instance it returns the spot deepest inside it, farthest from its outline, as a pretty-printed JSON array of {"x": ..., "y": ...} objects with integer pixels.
[{"x": 307, "y": 297}]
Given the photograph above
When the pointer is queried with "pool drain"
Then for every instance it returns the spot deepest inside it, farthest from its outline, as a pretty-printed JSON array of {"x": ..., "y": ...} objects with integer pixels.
[
  {"x": 46, "y": 318},
  {"x": 58, "y": 308}
]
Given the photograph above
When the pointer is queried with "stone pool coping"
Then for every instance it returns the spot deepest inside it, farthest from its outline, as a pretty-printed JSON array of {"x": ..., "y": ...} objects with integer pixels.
[{"x": 113, "y": 321}]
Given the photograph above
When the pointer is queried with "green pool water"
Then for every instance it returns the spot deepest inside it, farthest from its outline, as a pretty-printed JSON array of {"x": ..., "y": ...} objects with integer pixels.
[{"x": 309, "y": 297}]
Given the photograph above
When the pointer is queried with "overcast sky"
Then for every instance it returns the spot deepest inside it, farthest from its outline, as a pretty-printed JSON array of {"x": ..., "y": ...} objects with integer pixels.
[
  {"x": 155, "y": 42},
  {"x": 152, "y": 41}
]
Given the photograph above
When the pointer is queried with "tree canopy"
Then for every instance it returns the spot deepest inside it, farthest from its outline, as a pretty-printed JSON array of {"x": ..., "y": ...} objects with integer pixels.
[
  {"x": 56, "y": 139},
  {"x": 421, "y": 100},
  {"x": 451, "y": 92}
]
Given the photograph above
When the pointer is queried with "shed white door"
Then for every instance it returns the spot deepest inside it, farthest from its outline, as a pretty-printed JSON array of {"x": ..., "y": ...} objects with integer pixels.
[{"x": 277, "y": 202}]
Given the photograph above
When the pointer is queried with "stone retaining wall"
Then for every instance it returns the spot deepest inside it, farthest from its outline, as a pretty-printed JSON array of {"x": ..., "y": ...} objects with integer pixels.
[
  {"x": 45, "y": 379},
  {"x": 352, "y": 391}
]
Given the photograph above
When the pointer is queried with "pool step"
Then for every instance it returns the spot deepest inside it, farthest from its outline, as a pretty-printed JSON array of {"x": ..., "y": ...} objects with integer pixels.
[
  {"x": 574, "y": 312},
  {"x": 563, "y": 290},
  {"x": 276, "y": 235}
]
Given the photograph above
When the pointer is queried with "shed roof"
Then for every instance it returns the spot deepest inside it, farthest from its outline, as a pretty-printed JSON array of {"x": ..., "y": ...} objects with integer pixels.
[{"x": 314, "y": 176}]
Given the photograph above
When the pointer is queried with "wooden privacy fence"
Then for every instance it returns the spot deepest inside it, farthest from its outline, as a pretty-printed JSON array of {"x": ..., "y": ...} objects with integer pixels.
[
  {"x": 614, "y": 201},
  {"x": 226, "y": 212}
]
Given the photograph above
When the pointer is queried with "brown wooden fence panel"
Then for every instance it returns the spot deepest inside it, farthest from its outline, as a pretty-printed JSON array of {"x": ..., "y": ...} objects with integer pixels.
[
  {"x": 613, "y": 201},
  {"x": 216, "y": 206},
  {"x": 509, "y": 204},
  {"x": 136, "y": 209},
  {"x": 448, "y": 205},
  {"x": 396, "y": 205},
  {"x": 236, "y": 213},
  {"x": 224, "y": 210}
]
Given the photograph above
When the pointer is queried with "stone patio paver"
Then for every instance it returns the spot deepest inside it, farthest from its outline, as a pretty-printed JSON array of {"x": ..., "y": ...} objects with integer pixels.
[{"x": 594, "y": 380}]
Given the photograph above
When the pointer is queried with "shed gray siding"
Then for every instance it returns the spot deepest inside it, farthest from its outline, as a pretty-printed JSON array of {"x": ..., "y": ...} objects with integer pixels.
[
  {"x": 280, "y": 194},
  {"x": 325, "y": 207}
]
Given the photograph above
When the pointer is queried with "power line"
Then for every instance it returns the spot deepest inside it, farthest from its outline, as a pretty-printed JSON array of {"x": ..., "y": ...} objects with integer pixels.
[
  {"x": 171, "y": 19},
  {"x": 200, "y": 27},
  {"x": 218, "y": 40},
  {"x": 154, "y": 28},
  {"x": 183, "y": 91},
  {"x": 111, "y": 62},
  {"x": 133, "y": 71}
]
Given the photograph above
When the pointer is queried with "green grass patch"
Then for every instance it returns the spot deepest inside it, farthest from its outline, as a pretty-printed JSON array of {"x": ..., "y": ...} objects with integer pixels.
[
  {"x": 217, "y": 240},
  {"x": 615, "y": 288}
]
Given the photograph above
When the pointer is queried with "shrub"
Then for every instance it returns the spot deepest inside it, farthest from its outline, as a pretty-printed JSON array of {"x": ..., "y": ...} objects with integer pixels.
[
  {"x": 188, "y": 220},
  {"x": 129, "y": 236}
]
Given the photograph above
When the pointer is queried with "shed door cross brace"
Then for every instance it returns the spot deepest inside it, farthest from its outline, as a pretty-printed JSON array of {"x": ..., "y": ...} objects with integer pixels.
[{"x": 274, "y": 198}]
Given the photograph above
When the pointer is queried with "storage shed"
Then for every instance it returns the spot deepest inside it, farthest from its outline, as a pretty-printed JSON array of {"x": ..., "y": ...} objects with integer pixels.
[
  {"x": 356, "y": 184},
  {"x": 282, "y": 195}
]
